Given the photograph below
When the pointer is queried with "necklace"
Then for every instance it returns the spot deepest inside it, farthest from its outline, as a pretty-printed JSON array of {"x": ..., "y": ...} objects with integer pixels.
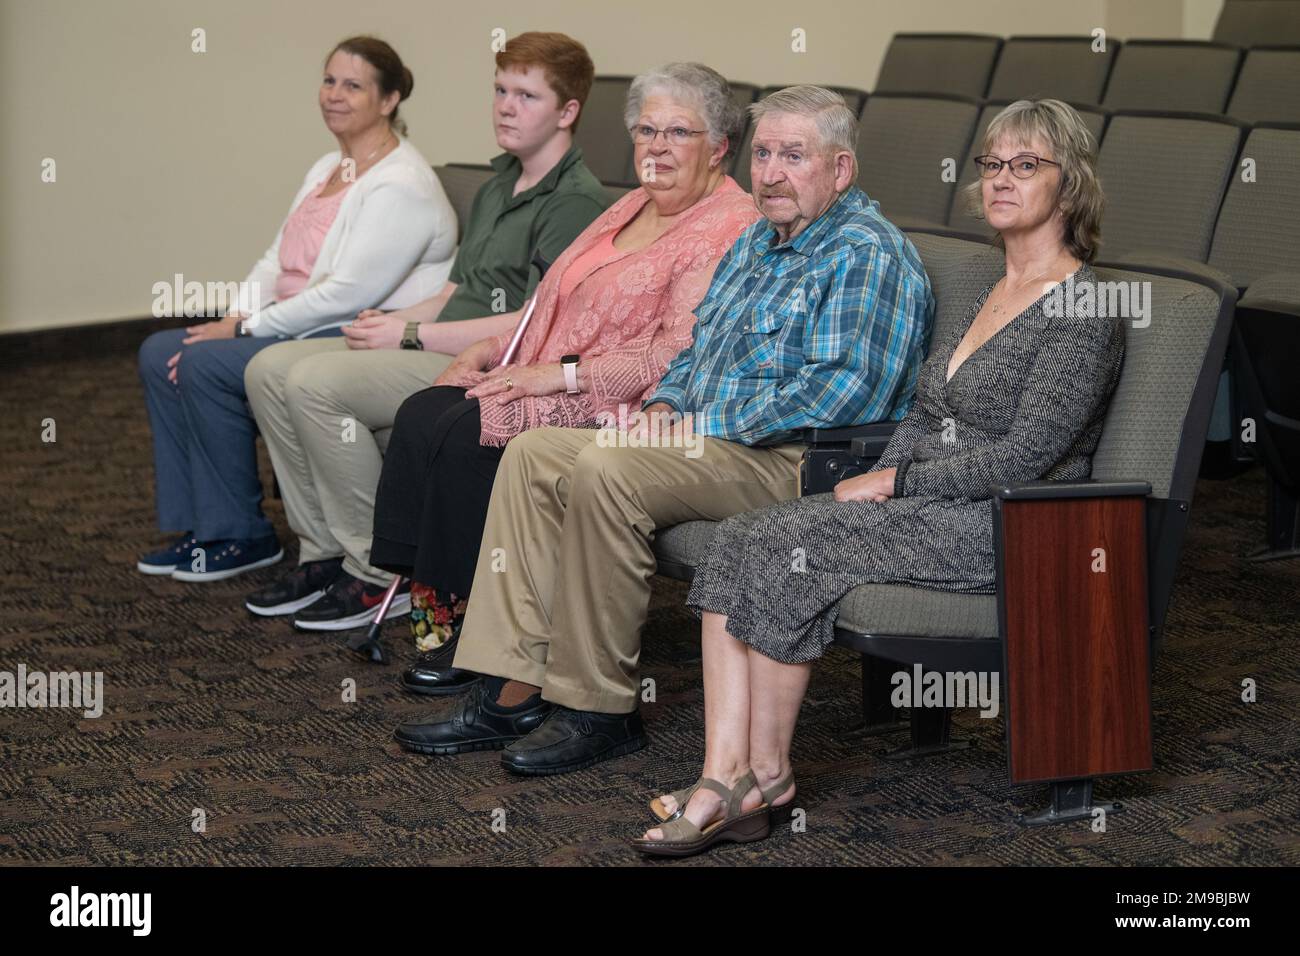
[{"x": 1020, "y": 285}]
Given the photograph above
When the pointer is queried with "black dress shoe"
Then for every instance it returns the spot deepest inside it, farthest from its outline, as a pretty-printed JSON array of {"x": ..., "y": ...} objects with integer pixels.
[
  {"x": 433, "y": 674},
  {"x": 480, "y": 724},
  {"x": 573, "y": 739}
]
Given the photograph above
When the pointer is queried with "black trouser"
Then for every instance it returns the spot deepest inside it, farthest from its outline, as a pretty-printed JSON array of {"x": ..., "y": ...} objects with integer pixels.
[{"x": 433, "y": 493}]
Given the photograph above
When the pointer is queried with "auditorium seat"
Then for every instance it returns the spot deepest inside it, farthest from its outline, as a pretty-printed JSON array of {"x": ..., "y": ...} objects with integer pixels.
[
  {"x": 461, "y": 182},
  {"x": 904, "y": 144},
  {"x": 743, "y": 94},
  {"x": 602, "y": 132},
  {"x": 1268, "y": 87},
  {"x": 1265, "y": 344},
  {"x": 1258, "y": 22},
  {"x": 1164, "y": 175},
  {"x": 959, "y": 219},
  {"x": 853, "y": 99},
  {"x": 1257, "y": 232},
  {"x": 958, "y": 63},
  {"x": 1148, "y": 454},
  {"x": 1186, "y": 75},
  {"x": 1059, "y": 67}
]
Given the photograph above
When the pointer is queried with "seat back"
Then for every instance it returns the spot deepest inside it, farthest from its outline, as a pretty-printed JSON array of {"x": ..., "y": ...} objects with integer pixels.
[
  {"x": 959, "y": 270},
  {"x": 461, "y": 182},
  {"x": 1164, "y": 175},
  {"x": 1257, "y": 229},
  {"x": 1257, "y": 22},
  {"x": 1159, "y": 415},
  {"x": 1063, "y": 68},
  {"x": 1187, "y": 75},
  {"x": 1268, "y": 87},
  {"x": 904, "y": 141},
  {"x": 602, "y": 134},
  {"x": 958, "y": 63},
  {"x": 959, "y": 216}
]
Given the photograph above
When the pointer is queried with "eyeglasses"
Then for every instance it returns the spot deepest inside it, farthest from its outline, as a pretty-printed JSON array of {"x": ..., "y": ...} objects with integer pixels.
[
  {"x": 1023, "y": 166},
  {"x": 673, "y": 135}
]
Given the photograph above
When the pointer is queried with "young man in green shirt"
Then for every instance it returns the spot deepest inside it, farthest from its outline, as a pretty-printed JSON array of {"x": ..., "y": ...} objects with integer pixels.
[{"x": 325, "y": 406}]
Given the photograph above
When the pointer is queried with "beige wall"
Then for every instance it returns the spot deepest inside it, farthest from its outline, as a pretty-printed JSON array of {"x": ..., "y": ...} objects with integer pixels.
[{"x": 171, "y": 161}]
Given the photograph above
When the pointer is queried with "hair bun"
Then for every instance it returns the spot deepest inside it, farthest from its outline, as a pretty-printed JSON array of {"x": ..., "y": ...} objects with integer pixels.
[{"x": 408, "y": 82}]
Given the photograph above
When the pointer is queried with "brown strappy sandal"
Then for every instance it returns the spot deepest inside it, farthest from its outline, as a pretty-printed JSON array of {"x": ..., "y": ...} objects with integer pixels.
[
  {"x": 780, "y": 815},
  {"x": 684, "y": 838},
  {"x": 682, "y": 797}
]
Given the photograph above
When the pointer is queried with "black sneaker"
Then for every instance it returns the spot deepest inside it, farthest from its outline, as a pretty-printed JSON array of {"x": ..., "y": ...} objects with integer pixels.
[
  {"x": 350, "y": 602},
  {"x": 302, "y": 586}
]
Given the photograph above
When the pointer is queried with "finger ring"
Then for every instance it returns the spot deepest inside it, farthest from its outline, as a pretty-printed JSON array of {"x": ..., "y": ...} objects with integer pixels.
[{"x": 509, "y": 384}]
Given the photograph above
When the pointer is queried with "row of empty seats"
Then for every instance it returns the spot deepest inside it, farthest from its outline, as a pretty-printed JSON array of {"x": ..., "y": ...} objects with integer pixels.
[
  {"x": 1177, "y": 184},
  {"x": 1206, "y": 76},
  {"x": 1260, "y": 85}
]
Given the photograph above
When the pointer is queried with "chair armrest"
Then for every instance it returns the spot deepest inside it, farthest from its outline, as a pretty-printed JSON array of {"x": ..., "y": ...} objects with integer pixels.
[
  {"x": 1047, "y": 490},
  {"x": 835, "y": 436},
  {"x": 1071, "y": 565},
  {"x": 834, "y": 454}
]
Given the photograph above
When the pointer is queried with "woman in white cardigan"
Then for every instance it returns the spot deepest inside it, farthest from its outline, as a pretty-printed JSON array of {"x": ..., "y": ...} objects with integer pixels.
[{"x": 370, "y": 228}]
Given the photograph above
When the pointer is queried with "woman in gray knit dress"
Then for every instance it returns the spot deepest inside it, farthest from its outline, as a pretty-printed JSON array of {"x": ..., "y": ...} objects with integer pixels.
[{"x": 1015, "y": 392}]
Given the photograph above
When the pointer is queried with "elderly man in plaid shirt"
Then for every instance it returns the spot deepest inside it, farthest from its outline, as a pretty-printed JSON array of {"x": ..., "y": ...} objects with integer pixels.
[{"x": 818, "y": 317}]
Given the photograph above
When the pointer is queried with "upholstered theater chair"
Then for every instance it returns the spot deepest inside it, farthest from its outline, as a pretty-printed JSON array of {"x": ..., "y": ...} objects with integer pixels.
[{"x": 1074, "y": 647}]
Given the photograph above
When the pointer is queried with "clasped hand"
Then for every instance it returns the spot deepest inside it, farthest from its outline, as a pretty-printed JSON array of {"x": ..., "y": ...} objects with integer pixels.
[{"x": 872, "y": 486}]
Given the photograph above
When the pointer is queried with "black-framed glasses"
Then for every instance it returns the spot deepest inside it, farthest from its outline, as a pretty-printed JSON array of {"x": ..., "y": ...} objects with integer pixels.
[
  {"x": 1023, "y": 166},
  {"x": 673, "y": 135}
]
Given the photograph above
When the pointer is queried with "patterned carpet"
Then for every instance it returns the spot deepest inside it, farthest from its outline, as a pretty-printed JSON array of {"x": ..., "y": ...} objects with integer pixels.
[{"x": 209, "y": 709}]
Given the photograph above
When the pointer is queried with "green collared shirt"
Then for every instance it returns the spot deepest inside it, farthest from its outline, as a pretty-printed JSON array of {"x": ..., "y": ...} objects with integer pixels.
[{"x": 505, "y": 231}]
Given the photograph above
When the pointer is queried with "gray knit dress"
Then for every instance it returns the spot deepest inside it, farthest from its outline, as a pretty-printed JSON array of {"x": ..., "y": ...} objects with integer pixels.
[{"x": 1028, "y": 404}]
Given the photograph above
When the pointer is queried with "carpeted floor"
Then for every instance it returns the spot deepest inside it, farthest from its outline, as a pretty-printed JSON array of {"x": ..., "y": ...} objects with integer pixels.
[{"x": 208, "y": 709}]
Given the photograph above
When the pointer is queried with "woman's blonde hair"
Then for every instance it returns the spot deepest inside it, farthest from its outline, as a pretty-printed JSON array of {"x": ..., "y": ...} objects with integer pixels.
[{"x": 1073, "y": 146}]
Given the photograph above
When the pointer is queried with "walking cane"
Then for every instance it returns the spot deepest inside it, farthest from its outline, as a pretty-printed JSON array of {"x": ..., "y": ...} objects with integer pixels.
[{"x": 368, "y": 644}]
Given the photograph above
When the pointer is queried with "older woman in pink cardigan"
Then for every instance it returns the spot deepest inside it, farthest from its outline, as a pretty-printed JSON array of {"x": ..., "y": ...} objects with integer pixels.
[{"x": 615, "y": 308}]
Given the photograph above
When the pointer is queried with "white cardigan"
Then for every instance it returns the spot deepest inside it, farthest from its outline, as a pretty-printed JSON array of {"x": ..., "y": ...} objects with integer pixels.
[{"x": 391, "y": 245}]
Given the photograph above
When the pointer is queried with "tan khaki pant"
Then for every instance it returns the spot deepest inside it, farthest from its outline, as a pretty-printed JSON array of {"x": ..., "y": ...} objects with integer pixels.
[
  {"x": 562, "y": 583},
  {"x": 324, "y": 411}
]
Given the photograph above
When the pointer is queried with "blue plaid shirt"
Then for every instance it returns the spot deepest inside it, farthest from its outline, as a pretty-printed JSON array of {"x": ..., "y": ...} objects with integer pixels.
[{"x": 824, "y": 331}]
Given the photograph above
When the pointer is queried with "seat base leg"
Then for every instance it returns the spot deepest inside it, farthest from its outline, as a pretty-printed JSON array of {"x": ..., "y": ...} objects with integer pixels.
[
  {"x": 931, "y": 734},
  {"x": 1071, "y": 801},
  {"x": 879, "y": 716},
  {"x": 1282, "y": 526}
]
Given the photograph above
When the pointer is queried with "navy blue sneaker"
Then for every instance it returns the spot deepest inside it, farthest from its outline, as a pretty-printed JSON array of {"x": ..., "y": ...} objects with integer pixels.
[
  {"x": 225, "y": 559},
  {"x": 168, "y": 559}
]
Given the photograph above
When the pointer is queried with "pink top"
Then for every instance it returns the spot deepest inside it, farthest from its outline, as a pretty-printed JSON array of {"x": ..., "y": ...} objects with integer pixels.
[
  {"x": 587, "y": 263},
  {"x": 304, "y": 234},
  {"x": 627, "y": 314}
]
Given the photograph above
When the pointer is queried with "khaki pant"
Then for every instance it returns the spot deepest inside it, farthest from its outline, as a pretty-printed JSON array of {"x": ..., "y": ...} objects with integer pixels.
[
  {"x": 562, "y": 584},
  {"x": 324, "y": 411}
]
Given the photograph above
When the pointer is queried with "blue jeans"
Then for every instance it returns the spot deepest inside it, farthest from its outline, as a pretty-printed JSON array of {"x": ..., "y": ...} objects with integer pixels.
[{"x": 204, "y": 455}]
